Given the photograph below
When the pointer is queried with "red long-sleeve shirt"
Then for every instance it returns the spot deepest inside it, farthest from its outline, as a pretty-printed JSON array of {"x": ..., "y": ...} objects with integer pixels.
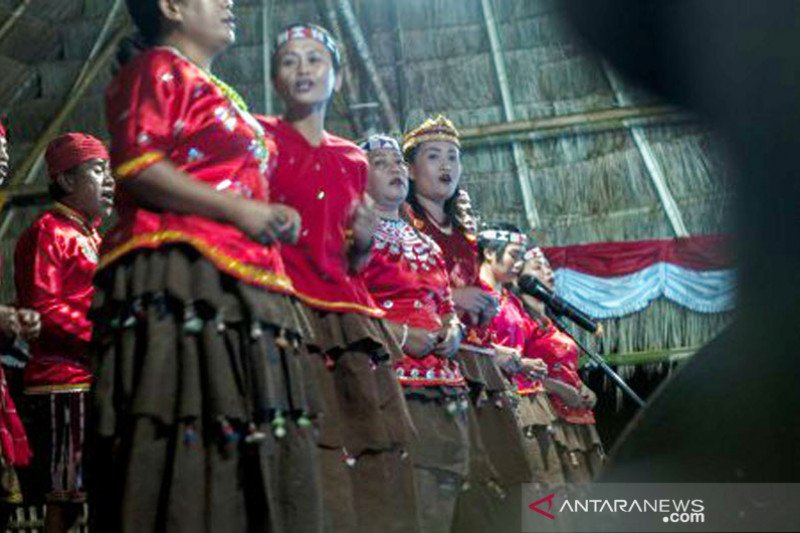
[{"x": 54, "y": 263}]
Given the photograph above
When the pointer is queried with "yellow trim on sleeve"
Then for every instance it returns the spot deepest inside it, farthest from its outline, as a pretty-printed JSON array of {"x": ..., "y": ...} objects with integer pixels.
[{"x": 131, "y": 168}]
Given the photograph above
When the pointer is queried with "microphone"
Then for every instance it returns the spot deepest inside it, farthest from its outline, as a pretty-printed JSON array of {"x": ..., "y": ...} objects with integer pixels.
[{"x": 558, "y": 306}]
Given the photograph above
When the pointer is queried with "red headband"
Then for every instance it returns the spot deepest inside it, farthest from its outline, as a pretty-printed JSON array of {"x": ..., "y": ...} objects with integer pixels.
[
  {"x": 3, "y": 132},
  {"x": 72, "y": 149}
]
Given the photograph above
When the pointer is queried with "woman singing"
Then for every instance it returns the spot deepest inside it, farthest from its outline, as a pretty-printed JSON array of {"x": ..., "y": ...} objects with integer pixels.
[{"x": 200, "y": 398}]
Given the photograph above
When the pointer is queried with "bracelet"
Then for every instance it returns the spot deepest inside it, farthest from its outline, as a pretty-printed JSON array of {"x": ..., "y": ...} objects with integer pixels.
[{"x": 405, "y": 336}]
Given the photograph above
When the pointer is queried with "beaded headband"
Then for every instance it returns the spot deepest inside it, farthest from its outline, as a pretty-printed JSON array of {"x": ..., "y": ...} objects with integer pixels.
[
  {"x": 433, "y": 129},
  {"x": 309, "y": 31},
  {"x": 380, "y": 142},
  {"x": 531, "y": 253},
  {"x": 511, "y": 237}
]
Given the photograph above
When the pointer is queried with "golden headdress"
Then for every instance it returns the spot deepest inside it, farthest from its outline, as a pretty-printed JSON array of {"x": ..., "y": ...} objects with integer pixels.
[{"x": 433, "y": 129}]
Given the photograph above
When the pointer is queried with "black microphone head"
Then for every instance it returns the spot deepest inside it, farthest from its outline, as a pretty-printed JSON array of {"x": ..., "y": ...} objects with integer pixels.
[{"x": 532, "y": 286}]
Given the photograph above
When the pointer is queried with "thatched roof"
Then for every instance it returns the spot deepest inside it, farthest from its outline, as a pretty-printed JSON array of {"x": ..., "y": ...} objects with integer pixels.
[{"x": 432, "y": 56}]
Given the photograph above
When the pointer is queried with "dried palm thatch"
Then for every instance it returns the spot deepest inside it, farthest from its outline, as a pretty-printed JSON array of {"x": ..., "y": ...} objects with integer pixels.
[{"x": 435, "y": 56}]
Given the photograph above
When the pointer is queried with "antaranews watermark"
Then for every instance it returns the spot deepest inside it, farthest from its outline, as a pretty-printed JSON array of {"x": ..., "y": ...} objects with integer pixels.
[{"x": 639, "y": 507}]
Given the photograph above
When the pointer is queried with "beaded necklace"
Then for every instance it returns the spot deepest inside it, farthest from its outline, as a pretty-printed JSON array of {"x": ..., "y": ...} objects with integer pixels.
[{"x": 233, "y": 96}]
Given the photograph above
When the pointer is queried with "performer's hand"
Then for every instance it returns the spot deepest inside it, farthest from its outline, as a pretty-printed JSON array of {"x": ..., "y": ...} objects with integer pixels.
[
  {"x": 568, "y": 394},
  {"x": 589, "y": 397},
  {"x": 365, "y": 223},
  {"x": 534, "y": 366},
  {"x": 30, "y": 323},
  {"x": 9, "y": 321},
  {"x": 263, "y": 222},
  {"x": 448, "y": 340},
  {"x": 476, "y": 301},
  {"x": 419, "y": 342},
  {"x": 286, "y": 224},
  {"x": 599, "y": 331}
]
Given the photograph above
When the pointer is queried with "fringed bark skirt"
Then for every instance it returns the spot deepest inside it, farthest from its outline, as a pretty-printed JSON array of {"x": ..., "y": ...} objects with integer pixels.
[
  {"x": 365, "y": 429},
  {"x": 581, "y": 451},
  {"x": 537, "y": 419},
  {"x": 441, "y": 452},
  {"x": 203, "y": 404},
  {"x": 498, "y": 461}
]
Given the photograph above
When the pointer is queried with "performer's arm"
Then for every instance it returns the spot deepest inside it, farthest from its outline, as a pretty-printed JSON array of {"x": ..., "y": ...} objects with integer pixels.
[
  {"x": 40, "y": 288},
  {"x": 416, "y": 342},
  {"x": 163, "y": 186}
]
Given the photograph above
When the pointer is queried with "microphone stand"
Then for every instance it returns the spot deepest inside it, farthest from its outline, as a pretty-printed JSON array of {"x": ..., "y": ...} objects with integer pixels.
[{"x": 598, "y": 361}]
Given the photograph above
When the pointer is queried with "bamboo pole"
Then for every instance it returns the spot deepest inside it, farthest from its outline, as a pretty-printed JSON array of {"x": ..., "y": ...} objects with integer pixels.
[
  {"x": 11, "y": 21},
  {"x": 357, "y": 36},
  {"x": 351, "y": 98},
  {"x": 523, "y": 172},
  {"x": 647, "y": 357},
  {"x": 22, "y": 175},
  {"x": 266, "y": 54},
  {"x": 651, "y": 163},
  {"x": 561, "y": 123}
]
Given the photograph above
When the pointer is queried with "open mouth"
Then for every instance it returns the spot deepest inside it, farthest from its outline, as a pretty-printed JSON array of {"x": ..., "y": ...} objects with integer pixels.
[
  {"x": 4, "y": 169},
  {"x": 303, "y": 86},
  {"x": 230, "y": 21},
  {"x": 446, "y": 179},
  {"x": 107, "y": 196},
  {"x": 397, "y": 182}
]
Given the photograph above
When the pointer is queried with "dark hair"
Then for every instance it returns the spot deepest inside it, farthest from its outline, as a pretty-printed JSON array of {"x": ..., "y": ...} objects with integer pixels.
[
  {"x": 451, "y": 212},
  {"x": 146, "y": 17},
  {"x": 56, "y": 191},
  {"x": 497, "y": 247}
]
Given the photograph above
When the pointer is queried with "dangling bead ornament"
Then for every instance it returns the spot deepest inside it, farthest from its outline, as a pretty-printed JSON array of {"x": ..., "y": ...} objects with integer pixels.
[
  {"x": 303, "y": 421},
  {"x": 348, "y": 459},
  {"x": 230, "y": 435},
  {"x": 279, "y": 425},
  {"x": 255, "y": 331},
  {"x": 189, "y": 435},
  {"x": 254, "y": 435},
  {"x": 281, "y": 341},
  {"x": 192, "y": 324},
  {"x": 220, "y": 321}
]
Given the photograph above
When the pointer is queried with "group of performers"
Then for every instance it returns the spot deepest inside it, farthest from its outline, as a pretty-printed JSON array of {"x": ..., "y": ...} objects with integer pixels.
[{"x": 283, "y": 330}]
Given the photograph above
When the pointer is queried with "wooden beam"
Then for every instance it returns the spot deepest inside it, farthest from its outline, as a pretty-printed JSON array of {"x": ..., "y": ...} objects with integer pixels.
[{"x": 614, "y": 116}]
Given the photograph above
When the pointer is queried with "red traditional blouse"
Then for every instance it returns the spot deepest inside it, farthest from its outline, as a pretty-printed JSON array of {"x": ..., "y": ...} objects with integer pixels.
[
  {"x": 54, "y": 262},
  {"x": 161, "y": 106},
  {"x": 324, "y": 184},
  {"x": 408, "y": 278},
  {"x": 460, "y": 251},
  {"x": 560, "y": 353},
  {"x": 513, "y": 328}
]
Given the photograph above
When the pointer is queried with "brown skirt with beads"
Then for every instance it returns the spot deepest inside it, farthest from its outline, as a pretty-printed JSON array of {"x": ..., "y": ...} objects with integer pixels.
[
  {"x": 581, "y": 451},
  {"x": 440, "y": 453},
  {"x": 365, "y": 427},
  {"x": 498, "y": 460},
  {"x": 537, "y": 419},
  {"x": 203, "y": 405}
]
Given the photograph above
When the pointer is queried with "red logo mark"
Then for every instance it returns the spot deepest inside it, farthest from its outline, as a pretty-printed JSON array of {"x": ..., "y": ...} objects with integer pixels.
[{"x": 535, "y": 506}]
